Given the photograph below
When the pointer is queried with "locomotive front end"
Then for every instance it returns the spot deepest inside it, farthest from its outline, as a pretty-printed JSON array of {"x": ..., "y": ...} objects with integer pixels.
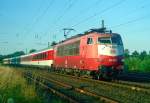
[{"x": 110, "y": 51}]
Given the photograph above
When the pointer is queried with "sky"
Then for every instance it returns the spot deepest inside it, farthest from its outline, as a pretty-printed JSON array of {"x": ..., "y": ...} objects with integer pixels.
[{"x": 31, "y": 24}]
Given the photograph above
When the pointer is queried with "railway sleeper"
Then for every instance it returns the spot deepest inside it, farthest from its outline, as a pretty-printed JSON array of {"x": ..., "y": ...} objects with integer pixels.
[{"x": 51, "y": 85}]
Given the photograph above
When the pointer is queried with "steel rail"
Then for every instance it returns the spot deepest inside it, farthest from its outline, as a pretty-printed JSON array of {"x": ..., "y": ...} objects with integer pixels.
[
  {"x": 54, "y": 91},
  {"x": 82, "y": 91},
  {"x": 117, "y": 84}
]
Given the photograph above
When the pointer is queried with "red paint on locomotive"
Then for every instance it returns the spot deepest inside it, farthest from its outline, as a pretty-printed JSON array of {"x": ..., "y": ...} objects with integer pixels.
[{"x": 90, "y": 55}]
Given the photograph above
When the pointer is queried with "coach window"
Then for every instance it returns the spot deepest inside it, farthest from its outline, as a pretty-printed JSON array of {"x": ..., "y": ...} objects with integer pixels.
[
  {"x": 41, "y": 56},
  {"x": 47, "y": 54},
  {"x": 44, "y": 55},
  {"x": 90, "y": 41}
]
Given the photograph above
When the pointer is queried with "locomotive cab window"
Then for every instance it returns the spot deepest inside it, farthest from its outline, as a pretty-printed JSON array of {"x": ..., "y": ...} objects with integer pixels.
[
  {"x": 105, "y": 40},
  {"x": 90, "y": 41},
  {"x": 116, "y": 40}
]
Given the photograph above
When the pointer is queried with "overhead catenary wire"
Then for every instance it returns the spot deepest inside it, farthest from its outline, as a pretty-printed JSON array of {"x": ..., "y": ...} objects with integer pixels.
[
  {"x": 55, "y": 21},
  {"x": 66, "y": 10},
  {"x": 34, "y": 18},
  {"x": 130, "y": 21},
  {"x": 92, "y": 16},
  {"x": 40, "y": 16},
  {"x": 85, "y": 10},
  {"x": 85, "y": 19},
  {"x": 125, "y": 23},
  {"x": 135, "y": 10},
  {"x": 81, "y": 12},
  {"x": 98, "y": 13},
  {"x": 62, "y": 14}
]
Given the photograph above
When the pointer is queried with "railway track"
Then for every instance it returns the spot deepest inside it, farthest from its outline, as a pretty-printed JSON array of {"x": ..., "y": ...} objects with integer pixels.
[
  {"x": 136, "y": 77},
  {"x": 43, "y": 80},
  {"x": 144, "y": 87},
  {"x": 42, "y": 83},
  {"x": 141, "y": 86},
  {"x": 120, "y": 91}
]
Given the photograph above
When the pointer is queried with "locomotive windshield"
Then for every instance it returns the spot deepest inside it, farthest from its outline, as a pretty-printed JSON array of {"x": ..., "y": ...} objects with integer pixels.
[
  {"x": 116, "y": 40},
  {"x": 105, "y": 40}
]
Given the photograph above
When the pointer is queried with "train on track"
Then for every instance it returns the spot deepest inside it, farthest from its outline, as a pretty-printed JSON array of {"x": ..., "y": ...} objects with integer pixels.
[{"x": 97, "y": 52}]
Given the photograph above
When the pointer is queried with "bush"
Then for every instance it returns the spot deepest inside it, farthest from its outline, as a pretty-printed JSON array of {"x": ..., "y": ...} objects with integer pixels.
[{"x": 137, "y": 64}]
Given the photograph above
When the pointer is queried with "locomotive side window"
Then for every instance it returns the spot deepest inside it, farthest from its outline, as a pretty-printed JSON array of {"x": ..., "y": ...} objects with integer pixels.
[
  {"x": 104, "y": 40},
  {"x": 69, "y": 49},
  {"x": 90, "y": 41}
]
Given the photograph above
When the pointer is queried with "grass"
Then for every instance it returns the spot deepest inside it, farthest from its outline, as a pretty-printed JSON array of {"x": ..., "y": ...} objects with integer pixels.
[{"x": 14, "y": 89}]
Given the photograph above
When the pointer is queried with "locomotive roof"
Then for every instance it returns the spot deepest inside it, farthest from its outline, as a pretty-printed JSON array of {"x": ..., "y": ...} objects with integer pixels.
[{"x": 94, "y": 30}]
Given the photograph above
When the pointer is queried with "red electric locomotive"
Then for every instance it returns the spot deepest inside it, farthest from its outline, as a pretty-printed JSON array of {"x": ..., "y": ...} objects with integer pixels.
[{"x": 98, "y": 52}]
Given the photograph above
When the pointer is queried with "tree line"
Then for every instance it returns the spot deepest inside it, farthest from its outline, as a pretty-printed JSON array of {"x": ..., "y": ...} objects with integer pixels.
[
  {"x": 15, "y": 54},
  {"x": 137, "y": 61}
]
